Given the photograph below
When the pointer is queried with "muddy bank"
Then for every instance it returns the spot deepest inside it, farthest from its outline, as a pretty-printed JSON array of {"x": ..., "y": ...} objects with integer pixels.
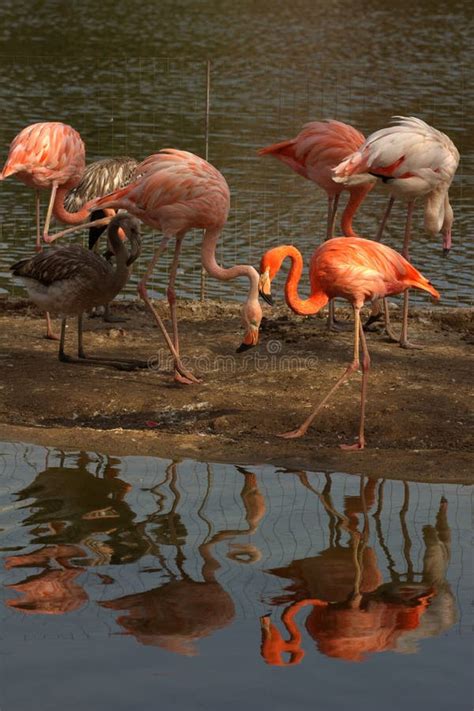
[{"x": 418, "y": 401}]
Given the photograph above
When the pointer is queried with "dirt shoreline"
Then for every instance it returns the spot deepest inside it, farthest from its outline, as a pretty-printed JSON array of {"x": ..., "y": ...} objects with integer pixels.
[{"x": 418, "y": 409}]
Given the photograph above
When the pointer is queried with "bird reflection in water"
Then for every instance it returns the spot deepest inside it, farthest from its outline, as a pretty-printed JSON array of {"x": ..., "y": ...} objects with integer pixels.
[
  {"x": 81, "y": 520},
  {"x": 54, "y": 591},
  {"x": 351, "y": 612},
  {"x": 182, "y": 611}
]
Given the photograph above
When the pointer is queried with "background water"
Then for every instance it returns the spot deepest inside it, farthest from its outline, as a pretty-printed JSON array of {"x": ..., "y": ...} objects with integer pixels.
[
  {"x": 134, "y": 581},
  {"x": 131, "y": 77}
]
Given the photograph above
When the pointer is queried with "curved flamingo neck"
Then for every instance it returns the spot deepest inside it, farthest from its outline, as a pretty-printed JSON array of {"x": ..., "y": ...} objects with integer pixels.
[
  {"x": 318, "y": 298},
  {"x": 60, "y": 212},
  {"x": 356, "y": 198},
  {"x": 208, "y": 256}
]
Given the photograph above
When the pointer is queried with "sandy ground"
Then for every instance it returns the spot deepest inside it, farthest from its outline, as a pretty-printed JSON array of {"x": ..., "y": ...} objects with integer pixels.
[{"x": 418, "y": 401}]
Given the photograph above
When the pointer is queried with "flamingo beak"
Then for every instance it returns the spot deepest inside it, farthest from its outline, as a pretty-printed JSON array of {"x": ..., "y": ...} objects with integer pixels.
[
  {"x": 447, "y": 242},
  {"x": 250, "y": 338},
  {"x": 264, "y": 287}
]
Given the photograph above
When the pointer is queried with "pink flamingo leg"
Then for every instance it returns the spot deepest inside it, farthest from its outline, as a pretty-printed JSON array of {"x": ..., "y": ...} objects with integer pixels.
[
  {"x": 187, "y": 377},
  {"x": 385, "y": 217},
  {"x": 332, "y": 210},
  {"x": 50, "y": 209},
  {"x": 351, "y": 368},
  {"x": 49, "y": 239},
  {"x": 179, "y": 378},
  {"x": 50, "y": 335},
  {"x": 332, "y": 324},
  {"x": 376, "y": 312},
  {"x": 38, "y": 221},
  {"x": 360, "y": 444},
  {"x": 404, "y": 342}
]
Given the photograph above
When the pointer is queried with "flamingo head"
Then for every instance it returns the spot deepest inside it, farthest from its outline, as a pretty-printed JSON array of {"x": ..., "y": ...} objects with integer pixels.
[
  {"x": 265, "y": 285},
  {"x": 251, "y": 316},
  {"x": 269, "y": 267}
]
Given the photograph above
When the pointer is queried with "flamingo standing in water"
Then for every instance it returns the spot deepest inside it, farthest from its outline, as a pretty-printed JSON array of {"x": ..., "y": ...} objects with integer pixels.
[
  {"x": 316, "y": 150},
  {"x": 355, "y": 269},
  {"x": 47, "y": 155},
  {"x": 414, "y": 160},
  {"x": 176, "y": 191}
]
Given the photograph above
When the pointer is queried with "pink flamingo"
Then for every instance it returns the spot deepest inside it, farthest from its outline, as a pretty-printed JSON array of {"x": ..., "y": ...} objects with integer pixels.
[
  {"x": 414, "y": 160},
  {"x": 352, "y": 268},
  {"x": 315, "y": 151},
  {"x": 176, "y": 191},
  {"x": 47, "y": 155}
]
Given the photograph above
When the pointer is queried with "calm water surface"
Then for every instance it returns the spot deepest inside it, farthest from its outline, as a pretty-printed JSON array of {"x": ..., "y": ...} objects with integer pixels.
[
  {"x": 131, "y": 77},
  {"x": 135, "y": 582}
]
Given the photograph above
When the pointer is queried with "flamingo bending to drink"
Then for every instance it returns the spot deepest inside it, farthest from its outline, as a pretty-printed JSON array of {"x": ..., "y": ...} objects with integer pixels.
[{"x": 176, "y": 191}]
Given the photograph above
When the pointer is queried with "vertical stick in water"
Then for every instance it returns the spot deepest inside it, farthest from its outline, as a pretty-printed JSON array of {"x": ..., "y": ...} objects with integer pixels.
[{"x": 206, "y": 151}]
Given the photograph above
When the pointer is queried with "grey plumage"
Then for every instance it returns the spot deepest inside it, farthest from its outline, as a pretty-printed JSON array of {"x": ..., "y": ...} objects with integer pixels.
[
  {"x": 69, "y": 280},
  {"x": 100, "y": 178}
]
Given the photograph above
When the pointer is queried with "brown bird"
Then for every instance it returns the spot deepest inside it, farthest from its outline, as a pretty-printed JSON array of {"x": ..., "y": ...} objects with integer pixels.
[
  {"x": 100, "y": 178},
  {"x": 70, "y": 280}
]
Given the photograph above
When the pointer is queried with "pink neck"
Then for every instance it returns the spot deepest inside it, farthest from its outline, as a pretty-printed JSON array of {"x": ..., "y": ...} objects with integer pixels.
[
  {"x": 356, "y": 198},
  {"x": 70, "y": 218},
  {"x": 315, "y": 302},
  {"x": 208, "y": 256}
]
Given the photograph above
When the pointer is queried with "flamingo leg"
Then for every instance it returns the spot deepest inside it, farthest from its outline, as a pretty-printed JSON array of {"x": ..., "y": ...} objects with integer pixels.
[
  {"x": 83, "y": 359},
  {"x": 363, "y": 394},
  {"x": 332, "y": 210},
  {"x": 142, "y": 290},
  {"x": 386, "y": 215},
  {"x": 332, "y": 324},
  {"x": 61, "y": 354},
  {"x": 404, "y": 342},
  {"x": 50, "y": 335},
  {"x": 50, "y": 209},
  {"x": 376, "y": 312},
  {"x": 351, "y": 368},
  {"x": 49, "y": 239},
  {"x": 171, "y": 293},
  {"x": 38, "y": 221}
]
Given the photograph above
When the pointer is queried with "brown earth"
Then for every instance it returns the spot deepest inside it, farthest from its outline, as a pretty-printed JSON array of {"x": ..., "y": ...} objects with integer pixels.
[{"x": 417, "y": 413}]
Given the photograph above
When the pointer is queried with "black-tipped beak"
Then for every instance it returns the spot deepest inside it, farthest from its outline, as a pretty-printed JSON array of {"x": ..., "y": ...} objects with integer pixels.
[
  {"x": 244, "y": 347},
  {"x": 446, "y": 251},
  {"x": 266, "y": 297}
]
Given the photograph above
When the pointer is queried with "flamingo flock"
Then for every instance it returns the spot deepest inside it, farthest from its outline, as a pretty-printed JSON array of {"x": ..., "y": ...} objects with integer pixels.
[{"x": 175, "y": 191}]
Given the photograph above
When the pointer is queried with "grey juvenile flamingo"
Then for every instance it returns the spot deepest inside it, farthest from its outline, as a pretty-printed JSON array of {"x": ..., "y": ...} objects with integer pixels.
[{"x": 70, "y": 280}]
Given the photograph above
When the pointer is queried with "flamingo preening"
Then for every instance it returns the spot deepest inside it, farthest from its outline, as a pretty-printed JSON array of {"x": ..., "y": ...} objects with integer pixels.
[
  {"x": 414, "y": 160},
  {"x": 70, "y": 280},
  {"x": 174, "y": 192},
  {"x": 355, "y": 269},
  {"x": 48, "y": 155},
  {"x": 316, "y": 150}
]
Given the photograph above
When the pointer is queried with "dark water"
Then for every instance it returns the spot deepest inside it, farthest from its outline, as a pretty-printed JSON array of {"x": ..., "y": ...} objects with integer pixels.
[
  {"x": 139, "y": 582},
  {"x": 131, "y": 77}
]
